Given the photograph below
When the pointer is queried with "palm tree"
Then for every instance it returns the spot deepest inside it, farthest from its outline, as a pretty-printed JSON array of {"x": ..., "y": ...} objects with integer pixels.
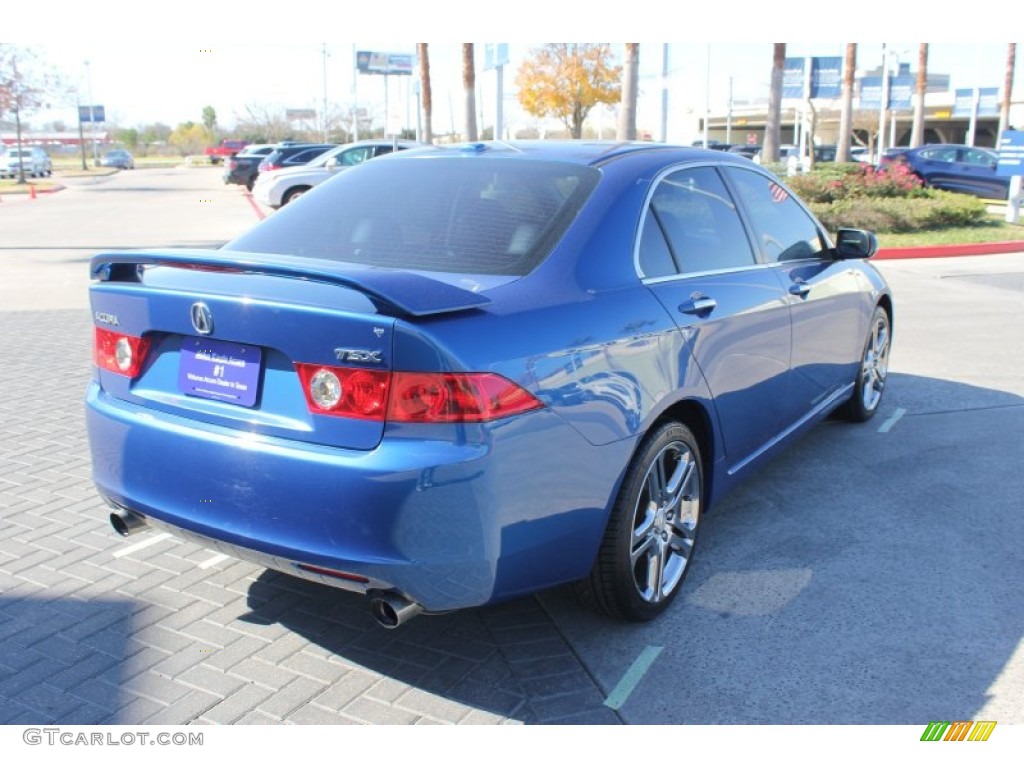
[
  {"x": 1004, "y": 110},
  {"x": 846, "y": 111},
  {"x": 773, "y": 125},
  {"x": 917, "y": 131},
  {"x": 630, "y": 82},
  {"x": 425, "y": 95},
  {"x": 469, "y": 84}
]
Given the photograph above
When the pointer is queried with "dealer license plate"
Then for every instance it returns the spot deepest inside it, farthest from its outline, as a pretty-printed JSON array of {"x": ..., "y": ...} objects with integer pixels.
[{"x": 219, "y": 370}]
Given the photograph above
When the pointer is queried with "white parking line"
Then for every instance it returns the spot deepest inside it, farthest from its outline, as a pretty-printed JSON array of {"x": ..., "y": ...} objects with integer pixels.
[
  {"x": 142, "y": 545},
  {"x": 891, "y": 421},
  {"x": 632, "y": 678},
  {"x": 220, "y": 558}
]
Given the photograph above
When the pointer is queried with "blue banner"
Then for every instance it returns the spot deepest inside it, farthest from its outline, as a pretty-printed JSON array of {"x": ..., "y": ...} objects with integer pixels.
[
  {"x": 793, "y": 79},
  {"x": 988, "y": 102},
  {"x": 901, "y": 91},
  {"x": 826, "y": 77},
  {"x": 495, "y": 55},
  {"x": 91, "y": 114}
]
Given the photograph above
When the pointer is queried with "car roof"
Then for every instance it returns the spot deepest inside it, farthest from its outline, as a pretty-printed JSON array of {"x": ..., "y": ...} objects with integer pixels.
[{"x": 580, "y": 152}]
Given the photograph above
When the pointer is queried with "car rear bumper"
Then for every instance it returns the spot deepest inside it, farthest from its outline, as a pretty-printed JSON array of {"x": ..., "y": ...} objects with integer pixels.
[{"x": 445, "y": 523}]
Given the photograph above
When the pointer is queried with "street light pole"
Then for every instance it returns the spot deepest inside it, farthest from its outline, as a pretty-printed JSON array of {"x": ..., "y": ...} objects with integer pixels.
[
  {"x": 324, "y": 51},
  {"x": 92, "y": 114},
  {"x": 880, "y": 148}
]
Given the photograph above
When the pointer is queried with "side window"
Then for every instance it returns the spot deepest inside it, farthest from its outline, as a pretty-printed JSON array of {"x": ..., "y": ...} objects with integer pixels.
[
  {"x": 692, "y": 216},
  {"x": 655, "y": 258},
  {"x": 976, "y": 157},
  {"x": 939, "y": 154},
  {"x": 305, "y": 156},
  {"x": 356, "y": 156},
  {"x": 783, "y": 228}
]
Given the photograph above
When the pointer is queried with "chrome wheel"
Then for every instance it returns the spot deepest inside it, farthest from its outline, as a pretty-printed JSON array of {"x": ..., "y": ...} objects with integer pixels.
[
  {"x": 876, "y": 362},
  {"x": 649, "y": 541},
  {"x": 665, "y": 523},
  {"x": 874, "y": 367}
]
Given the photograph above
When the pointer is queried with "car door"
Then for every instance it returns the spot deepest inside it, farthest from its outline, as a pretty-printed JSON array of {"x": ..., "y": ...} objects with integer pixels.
[
  {"x": 696, "y": 257},
  {"x": 976, "y": 170},
  {"x": 825, "y": 295}
]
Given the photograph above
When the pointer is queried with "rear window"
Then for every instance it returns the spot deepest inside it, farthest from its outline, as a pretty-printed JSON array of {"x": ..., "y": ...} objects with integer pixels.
[{"x": 463, "y": 215}]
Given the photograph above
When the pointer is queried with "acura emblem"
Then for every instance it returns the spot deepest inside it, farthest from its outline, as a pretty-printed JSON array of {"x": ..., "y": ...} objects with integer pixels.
[{"x": 202, "y": 318}]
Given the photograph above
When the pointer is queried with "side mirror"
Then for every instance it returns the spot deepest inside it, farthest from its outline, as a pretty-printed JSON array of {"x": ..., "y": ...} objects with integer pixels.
[
  {"x": 855, "y": 244},
  {"x": 332, "y": 164}
]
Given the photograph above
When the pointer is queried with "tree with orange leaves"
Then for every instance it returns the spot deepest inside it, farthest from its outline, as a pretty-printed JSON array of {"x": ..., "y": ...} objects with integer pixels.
[{"x": 567, "y": 80}]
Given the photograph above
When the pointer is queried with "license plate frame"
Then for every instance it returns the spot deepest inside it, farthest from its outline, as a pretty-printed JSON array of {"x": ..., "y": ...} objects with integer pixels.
[{"x": 220, "y": 370}]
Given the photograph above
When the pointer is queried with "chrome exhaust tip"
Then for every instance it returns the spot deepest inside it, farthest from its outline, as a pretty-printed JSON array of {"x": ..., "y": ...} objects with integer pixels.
[
  {"x": 126, "y": 522},
  {"x": 391, "y": 611}
]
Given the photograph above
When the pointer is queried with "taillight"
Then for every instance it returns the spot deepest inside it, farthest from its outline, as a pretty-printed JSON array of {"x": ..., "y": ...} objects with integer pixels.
[
  {"x": 119, "y": 353},
  {"x": 453, "y": 397},
  {"x": 352, "y": 392},
  {"x": 412, "y": 397}
]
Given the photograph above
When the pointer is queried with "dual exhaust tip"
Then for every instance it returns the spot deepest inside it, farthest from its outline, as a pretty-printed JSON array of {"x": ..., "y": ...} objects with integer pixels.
[{"x": 388, "y": 609}]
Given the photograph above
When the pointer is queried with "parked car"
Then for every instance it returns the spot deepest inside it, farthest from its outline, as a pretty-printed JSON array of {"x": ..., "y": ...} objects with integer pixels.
[
  {"x": 118, "y": 158},
  {"x": 721, "y": 146},
  {"x": 456, "y": 375},
  {"x": 244, "y": 168},
  {"x": 227, "y": 148},
  {"x": 861, "y": 155},
  {"x": 748, "y": 151},
  {"x": 280, "y": 187},
  {"x": 288, "y": 154},
  {"x": 33, "y": 160},
  {"x": 954, "y": 167}
]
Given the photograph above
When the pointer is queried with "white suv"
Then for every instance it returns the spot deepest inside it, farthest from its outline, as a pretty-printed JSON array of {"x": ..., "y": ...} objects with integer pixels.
[
  {"x": 280, "y": 187},
  {"x": 33, "y": 159}
]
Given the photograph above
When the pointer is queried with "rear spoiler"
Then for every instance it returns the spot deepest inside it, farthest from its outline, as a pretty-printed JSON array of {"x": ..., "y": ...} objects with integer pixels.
[{"x": 409, "y": 293}]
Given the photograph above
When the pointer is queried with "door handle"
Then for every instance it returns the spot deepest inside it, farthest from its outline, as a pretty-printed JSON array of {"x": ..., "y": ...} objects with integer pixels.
[{"x": 700, "y": 306}]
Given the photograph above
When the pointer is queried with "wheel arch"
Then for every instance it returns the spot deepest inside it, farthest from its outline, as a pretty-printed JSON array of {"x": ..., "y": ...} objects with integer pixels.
[
  {"x": 289, "y": 193},
  {"x": 885, "y": 302},
  {"x": 697, "y": 419}
]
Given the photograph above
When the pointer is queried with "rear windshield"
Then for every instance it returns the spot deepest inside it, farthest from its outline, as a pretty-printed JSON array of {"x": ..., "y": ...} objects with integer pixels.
[{"x": 465, "y": 215}]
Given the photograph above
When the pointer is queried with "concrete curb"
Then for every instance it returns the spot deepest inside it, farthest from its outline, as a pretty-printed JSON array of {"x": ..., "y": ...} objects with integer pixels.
[
  {"x": 943, "y": 251},
  {"x": 26, "y": 192}
]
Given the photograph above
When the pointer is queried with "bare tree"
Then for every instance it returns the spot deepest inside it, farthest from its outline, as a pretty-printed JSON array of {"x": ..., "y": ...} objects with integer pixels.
[
  {"x": 630, "y": 83},
  {"x": 469, "y": 84},
  {"x": 425, "y": 95},
  {"x": 917, "y": 131},
  {"x": 773, "y": 125},
  {"x": 846, "y": 110},
  {"x": 24, "y": 85},
  {"x": 1004, "y": 109}
]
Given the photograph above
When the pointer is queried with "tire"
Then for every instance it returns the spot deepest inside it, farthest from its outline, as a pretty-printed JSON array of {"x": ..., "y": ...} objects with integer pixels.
[
  {"x": 874, "y": 366},
  {"x": 293, "y": 194},
  {"x": 649, "y": 542}
]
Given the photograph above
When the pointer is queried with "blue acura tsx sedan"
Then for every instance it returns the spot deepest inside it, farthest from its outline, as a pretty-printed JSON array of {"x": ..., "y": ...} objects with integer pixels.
[{"x": 451, "y": 376}]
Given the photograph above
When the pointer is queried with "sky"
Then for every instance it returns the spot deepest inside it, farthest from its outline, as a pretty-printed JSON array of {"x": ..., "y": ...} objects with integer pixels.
[{"x": 256, "y": 55}]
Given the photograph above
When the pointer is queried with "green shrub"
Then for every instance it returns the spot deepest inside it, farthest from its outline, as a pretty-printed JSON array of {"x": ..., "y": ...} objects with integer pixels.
[
  {"x": 832, "y": 182},
  {"x": 891, "y": 214},
  {"x": 886, "y": 201}
]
